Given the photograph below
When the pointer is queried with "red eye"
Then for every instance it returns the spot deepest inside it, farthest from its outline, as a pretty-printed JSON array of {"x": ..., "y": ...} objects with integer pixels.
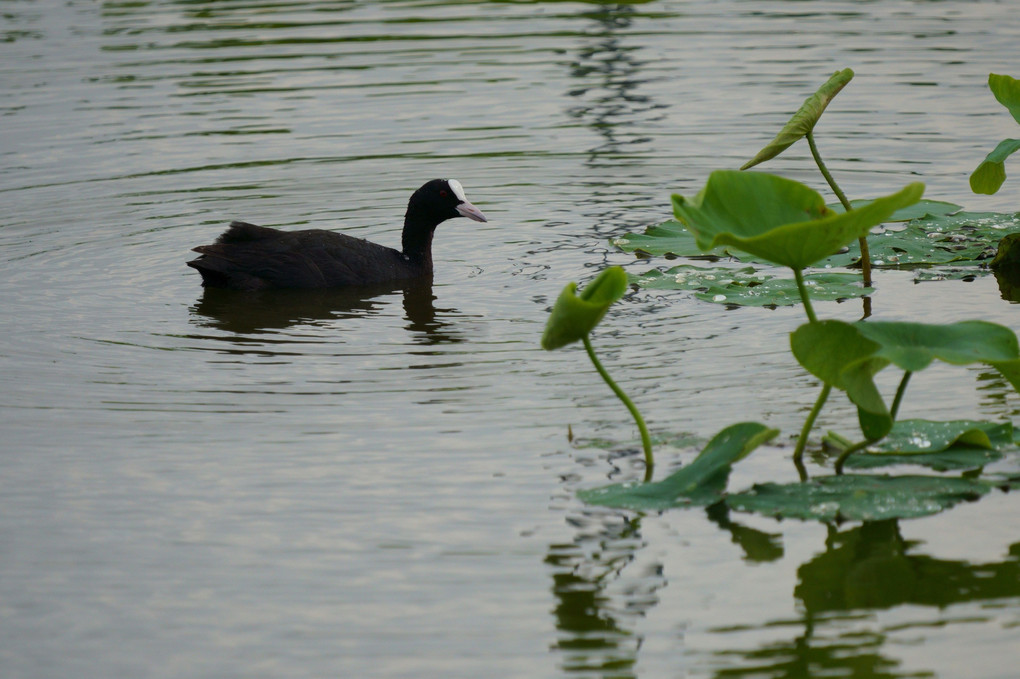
[{"x": 442, "y": 192}]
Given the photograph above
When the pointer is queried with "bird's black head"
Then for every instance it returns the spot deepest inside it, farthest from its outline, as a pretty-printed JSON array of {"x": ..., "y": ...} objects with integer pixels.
[{"x": 439, "y": 200}]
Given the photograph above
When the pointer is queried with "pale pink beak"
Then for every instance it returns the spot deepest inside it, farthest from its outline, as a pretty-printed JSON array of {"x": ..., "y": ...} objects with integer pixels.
[{"x": 468, "y": 210}]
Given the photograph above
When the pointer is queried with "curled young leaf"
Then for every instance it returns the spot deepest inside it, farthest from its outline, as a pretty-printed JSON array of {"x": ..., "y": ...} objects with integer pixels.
[
  {"x": 574, "y": 316},
  {"x": 804, "y": 120}
]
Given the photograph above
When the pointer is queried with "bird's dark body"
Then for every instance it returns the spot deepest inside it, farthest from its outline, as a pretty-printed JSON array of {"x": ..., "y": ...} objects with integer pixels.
[{"x": 250, "y": 257}]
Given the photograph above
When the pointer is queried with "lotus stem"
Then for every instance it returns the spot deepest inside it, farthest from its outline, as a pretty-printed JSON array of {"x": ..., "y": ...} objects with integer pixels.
[
  {"x": 837, "y": 441},
  {"x": 646, "y": 440},
  {"x": 900, "y": 390},
  {"x": 899, "y": 394},
  {"x": 847, "y": 453},
  {"x": 798, "y": 276},
  {"x": 798, "y": 452},
  {"x": 863, "y": 242},
  {"x": 825, "y": 172}
]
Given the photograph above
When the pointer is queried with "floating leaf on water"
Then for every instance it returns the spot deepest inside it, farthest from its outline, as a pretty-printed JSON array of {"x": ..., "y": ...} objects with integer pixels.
[
  {"x": 702, "y": 482},
  {"x": 964, "y": 238},
  {"x": 778, "y": 219},
  {"x": 921, "y": 209},
  {"x": 954, "y": 459},
  {"x": 926, "y": 436},
  {"x": 668, "y": 238},
  {"x": 661, "y": 439},
  {"x": 946, "y": 273},
  {"x": 855, "y": 497},
  {"x": 957, "y": 444},
  {"x": 671, "y": 239},
  {"x": 748, "y": 286}
]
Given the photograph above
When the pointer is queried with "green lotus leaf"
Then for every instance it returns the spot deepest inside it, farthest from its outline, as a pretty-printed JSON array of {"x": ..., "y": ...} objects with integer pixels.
[
  {"x": 953, "y": 459},
  {"x": 702, "y": 482},
  {"x": 677, "y": 440},
  {"x": 962, "y": 239},
  {"x": 748, "y": 286},
  {"x": 838, "y": 354},
  {"x": 671, "y": 239},
  {"x": 919, "y": 210},
  {"x": 874, "y": 426},
  {"x": 913, "y": 346},
  {"x": 778, "y": 219},
  {"x": 847, "y": 356},
  {"x": 855, "y": 497},
  {"x": 804, "y": 120},
  {"x": 961, "y": 273},
  {"x": 842, "y": 357},
  {"x": 925, "y": 436},
  {"x": 957, "y": 444},
  {"x": 574, "y": 316},
  {"x": 991, "y": 173},
  {"x": 1007, "y": 92}
]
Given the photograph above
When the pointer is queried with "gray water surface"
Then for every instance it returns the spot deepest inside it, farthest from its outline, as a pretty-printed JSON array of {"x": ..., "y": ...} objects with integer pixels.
[{"x": 381, "y": 485}]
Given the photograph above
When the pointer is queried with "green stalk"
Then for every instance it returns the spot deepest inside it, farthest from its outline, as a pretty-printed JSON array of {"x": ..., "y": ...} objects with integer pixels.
[
  {"x": 825, "y": 172},
  {"x": 646, "y": 440},
  {"x": 798, "y": 276},
  {"x": 798, "y": 452},
  {"x": 899, "y": 394},
  {"x": 841, "y": 460},
  {"x": 847, "y": 453},
  {"x": 863, "y": 242}
]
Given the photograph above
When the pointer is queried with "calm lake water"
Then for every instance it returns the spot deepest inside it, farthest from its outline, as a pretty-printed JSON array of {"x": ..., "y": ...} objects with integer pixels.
[{"x": 200, "y": 485}]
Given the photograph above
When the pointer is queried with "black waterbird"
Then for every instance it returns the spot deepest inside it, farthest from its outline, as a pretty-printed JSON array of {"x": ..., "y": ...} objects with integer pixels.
[{"x": 250, "y": 257}]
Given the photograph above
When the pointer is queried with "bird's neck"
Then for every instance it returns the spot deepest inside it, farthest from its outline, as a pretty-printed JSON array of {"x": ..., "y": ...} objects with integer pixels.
[{"x": 417, "y": 241}]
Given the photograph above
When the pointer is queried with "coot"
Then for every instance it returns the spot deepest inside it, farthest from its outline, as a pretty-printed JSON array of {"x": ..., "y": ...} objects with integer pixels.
[{"x": 249, "y": 257}]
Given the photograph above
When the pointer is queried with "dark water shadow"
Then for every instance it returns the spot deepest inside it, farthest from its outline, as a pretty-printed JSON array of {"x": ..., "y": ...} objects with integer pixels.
[
  {"x": 252, "y": 313},
  {"x": 1008, "y": 279}
]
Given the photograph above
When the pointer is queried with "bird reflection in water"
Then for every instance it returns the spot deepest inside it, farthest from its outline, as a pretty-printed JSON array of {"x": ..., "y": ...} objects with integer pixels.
[{"x": 245, "y": 313}]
